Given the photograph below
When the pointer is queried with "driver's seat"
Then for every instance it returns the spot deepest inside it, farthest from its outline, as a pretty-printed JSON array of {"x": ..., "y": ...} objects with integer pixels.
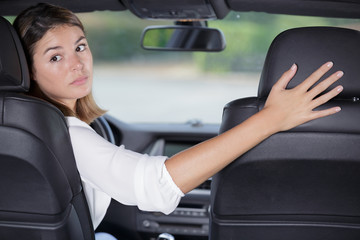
[{"x": 41, "y": 196}]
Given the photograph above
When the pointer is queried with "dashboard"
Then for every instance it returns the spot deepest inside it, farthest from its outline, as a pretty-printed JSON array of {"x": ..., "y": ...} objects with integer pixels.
[{"x": 190, "y": 220}]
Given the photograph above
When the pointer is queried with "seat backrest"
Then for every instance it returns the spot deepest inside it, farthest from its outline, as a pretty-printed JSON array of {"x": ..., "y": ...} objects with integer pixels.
[
  {"x": 41, "y": 196},
  {"x": 302, "y": 183}
]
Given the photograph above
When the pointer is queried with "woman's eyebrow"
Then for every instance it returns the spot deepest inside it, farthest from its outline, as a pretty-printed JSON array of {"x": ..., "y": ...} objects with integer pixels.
[
  {"x": 80, "y": 38},
  {"x": 59, "y": 47},
  {"x": 52, "y": 48}
]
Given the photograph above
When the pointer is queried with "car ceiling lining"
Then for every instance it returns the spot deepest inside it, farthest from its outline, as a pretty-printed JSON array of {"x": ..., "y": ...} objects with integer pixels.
[{"x": 324, "y": 8}]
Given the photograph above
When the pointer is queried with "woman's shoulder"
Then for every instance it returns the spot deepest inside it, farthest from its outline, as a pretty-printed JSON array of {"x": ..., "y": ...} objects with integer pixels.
[
  {"x": 75, "y": 122},
  {"x": 81, "y": 132}
]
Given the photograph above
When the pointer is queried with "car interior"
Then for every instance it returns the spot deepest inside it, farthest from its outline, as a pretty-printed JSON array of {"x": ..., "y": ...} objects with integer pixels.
[{"x": 298, "y": 184}]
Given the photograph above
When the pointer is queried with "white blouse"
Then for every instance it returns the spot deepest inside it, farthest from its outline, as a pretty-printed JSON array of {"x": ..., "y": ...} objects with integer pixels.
[{"x": 108, "y": 171}]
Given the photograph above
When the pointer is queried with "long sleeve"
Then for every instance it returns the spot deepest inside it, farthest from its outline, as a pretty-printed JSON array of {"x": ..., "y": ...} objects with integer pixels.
[{"x": 109, "y": 171}]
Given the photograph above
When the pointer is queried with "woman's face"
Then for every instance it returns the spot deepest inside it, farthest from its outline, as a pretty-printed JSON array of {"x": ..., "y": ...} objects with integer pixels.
[{"x": 62, "y": 65}]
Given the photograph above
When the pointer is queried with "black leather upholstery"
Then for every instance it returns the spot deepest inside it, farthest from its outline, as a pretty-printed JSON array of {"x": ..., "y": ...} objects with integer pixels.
[
  {"x": 41, "y": 196},
  {"x": 303, "y": 183}
]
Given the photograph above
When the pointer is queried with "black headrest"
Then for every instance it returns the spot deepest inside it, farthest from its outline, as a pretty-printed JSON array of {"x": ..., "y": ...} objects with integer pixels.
[
  {"x": 309, "y": 48},
  {"x": 14, "y": 73}
]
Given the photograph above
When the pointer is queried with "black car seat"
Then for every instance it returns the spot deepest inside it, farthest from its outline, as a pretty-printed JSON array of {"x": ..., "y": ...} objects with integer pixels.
[
  {"x": 41, "y": 196},
  {"x": 303, "y": 183}
]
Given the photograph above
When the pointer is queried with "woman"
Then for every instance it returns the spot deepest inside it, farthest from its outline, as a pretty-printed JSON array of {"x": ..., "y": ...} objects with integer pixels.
[{"x": 61, "y": 72}]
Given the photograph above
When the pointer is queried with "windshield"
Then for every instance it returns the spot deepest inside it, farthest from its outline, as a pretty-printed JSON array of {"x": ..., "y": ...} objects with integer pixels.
[{"x": 136, "y": 85}]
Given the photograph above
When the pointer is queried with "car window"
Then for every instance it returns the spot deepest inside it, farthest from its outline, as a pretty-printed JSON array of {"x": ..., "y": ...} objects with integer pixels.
[{"x": 137, "y": 85}]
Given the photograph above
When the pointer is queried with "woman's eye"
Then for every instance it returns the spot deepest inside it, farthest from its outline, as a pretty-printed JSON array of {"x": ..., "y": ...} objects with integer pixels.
[
  {"x": 55, "y": 58},
  {"x": 81, "y": 48}
]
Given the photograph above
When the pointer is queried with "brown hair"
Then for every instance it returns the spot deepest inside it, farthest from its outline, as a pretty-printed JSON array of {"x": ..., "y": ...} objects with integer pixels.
[{"x": 32, "y": 24}]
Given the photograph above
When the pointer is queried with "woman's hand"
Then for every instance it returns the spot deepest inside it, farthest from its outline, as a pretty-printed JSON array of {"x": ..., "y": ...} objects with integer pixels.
[
  {"x": 289, "y": 108},
  {"x": 283, "y": 110}
]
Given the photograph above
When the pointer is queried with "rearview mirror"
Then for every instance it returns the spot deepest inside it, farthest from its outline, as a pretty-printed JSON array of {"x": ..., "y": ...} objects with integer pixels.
[{"x": 182, "y": 38}]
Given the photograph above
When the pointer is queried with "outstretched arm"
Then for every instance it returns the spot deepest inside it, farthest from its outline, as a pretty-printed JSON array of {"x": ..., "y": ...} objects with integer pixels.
[{"x": 283, "y": 110}]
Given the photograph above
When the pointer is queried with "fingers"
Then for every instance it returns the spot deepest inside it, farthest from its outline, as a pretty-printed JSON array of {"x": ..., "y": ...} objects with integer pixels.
[
  {"x": 286, "y": 77},
  {"x": 322, "y": 86},
  {"x": 315, "y": 76},
  {"x": 326, "y": 97},
  {"x": 324, "y": 113}
]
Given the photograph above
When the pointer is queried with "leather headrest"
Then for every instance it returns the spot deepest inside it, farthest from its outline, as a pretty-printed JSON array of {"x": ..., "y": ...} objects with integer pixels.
[
  {"x": 309, "y": 48},
  {"x": 14, "y": 73}
]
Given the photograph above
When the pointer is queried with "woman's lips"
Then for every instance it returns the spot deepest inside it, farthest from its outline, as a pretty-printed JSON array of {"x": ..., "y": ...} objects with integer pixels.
[{"x": 80, "y": 80}]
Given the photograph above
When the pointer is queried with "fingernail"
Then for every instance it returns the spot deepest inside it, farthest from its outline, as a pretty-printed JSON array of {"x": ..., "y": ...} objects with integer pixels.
[
  {"x": 340, "y": 74},
  {"x": 337, "y": 109},
  {"x": 340, "y": 88},
  {"x": 293, "y": 67},
  {"x": 329, "y": 64}
]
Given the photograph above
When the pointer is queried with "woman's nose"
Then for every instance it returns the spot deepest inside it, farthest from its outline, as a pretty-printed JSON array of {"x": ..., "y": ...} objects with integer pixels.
[{"x": 77, "y": 63}]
